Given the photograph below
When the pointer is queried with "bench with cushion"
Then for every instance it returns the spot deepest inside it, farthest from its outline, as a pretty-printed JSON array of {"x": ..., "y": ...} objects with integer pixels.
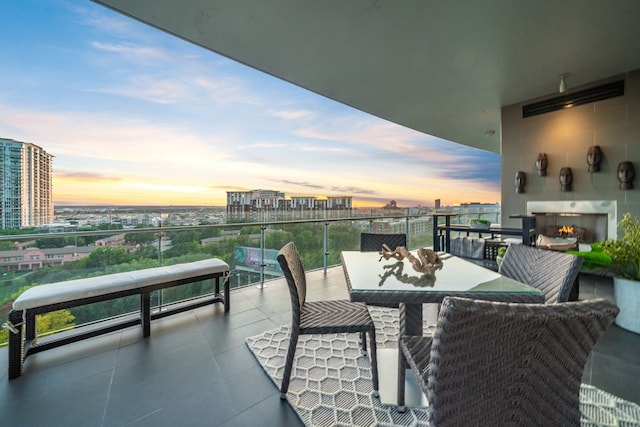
[{"x": 62, "y": 295}]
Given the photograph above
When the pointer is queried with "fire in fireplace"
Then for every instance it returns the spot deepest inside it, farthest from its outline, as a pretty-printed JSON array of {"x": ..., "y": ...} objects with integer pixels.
[{"x": 566, "y": 231}]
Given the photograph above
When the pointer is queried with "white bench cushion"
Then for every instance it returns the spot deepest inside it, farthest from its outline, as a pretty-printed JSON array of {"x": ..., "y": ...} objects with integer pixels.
[{"x": 53, "y": 293}]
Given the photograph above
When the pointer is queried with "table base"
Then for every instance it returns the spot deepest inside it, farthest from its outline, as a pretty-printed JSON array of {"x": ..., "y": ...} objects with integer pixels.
[{"x": 388, "y": 381}]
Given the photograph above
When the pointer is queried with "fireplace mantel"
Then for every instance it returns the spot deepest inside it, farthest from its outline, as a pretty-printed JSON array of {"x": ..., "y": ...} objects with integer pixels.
[{"x": 576, "y": 207}]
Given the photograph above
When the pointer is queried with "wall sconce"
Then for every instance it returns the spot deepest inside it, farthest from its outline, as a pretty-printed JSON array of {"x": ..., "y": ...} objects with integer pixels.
[
  {"x": 594, "y": 157},
  {"x": 541, "y": 164},
  {"x": 520, "y": 181},
  {"x": 626, "y": 173},
  {"x": 566, "y": 179}
]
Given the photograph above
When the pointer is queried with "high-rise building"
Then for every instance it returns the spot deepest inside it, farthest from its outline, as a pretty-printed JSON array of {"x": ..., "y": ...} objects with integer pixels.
[{"x": 26, "y": 198}]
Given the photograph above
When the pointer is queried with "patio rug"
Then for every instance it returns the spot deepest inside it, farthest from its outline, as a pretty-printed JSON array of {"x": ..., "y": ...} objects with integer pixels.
[{"x": 331, "y": 381}]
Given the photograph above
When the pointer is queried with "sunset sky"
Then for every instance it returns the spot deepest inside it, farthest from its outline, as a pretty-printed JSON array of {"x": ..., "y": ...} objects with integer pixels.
[{"x": 135, "y": 116}]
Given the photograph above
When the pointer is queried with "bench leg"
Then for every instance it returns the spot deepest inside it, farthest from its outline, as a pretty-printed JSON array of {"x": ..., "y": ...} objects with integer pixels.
[
  {"x": 145, "y": 313},
  {"x": 227, "y": 299},
  {"x": 30, "y": 327},
  {"x": 15, "y": 345}
]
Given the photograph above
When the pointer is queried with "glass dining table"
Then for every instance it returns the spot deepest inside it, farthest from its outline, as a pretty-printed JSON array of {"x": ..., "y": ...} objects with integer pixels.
[{"x": 372, "y": 279}]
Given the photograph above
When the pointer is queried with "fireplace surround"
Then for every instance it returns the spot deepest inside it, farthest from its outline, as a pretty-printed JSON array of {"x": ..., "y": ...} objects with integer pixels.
[{"x": 599, "y": 217}]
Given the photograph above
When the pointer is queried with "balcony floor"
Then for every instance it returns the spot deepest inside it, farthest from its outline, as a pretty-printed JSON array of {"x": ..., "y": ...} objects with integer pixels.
[{"x": 196, "y": 370}]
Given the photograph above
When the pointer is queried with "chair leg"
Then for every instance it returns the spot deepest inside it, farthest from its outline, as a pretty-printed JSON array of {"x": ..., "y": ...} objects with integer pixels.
[
  {"x": 363, "y": 339},
  {"x": 374, "y": 362},
  {"x": 402, "y": 368},
  {"x": 293, "y": 341}
]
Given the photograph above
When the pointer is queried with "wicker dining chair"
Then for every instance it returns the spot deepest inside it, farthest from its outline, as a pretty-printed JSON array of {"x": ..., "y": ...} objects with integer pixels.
[
  {"x": 372, "y": 242},
  {"x": 321, "y": 317},
  {"x": 553, "y": 272},
  {"x": 492, "y": 363}
]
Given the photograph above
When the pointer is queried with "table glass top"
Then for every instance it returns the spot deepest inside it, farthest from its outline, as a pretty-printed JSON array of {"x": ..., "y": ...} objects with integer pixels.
[{"x": 368, "y": 272}]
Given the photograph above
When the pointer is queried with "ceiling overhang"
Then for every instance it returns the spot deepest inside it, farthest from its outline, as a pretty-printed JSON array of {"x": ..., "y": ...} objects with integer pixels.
[{"x": 445, "y": 68}]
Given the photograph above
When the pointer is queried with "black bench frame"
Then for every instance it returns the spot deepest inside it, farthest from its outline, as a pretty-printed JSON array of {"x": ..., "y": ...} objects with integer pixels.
[{"x": 19, "y": 351}]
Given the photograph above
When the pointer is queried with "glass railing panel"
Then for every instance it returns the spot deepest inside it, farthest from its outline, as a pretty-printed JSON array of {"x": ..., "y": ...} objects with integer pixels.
[{"x": 250, "y": 249}]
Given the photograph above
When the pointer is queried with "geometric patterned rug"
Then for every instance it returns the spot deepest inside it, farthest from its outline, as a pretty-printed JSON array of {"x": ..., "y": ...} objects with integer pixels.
[{"x": 331, "y": 381}]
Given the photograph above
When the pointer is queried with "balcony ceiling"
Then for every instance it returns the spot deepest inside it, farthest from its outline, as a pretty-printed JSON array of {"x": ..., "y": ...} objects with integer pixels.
[{"x": 444, "y": 68}]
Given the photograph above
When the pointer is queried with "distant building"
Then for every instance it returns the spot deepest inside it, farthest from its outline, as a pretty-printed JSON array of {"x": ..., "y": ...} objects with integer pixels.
[
  {"x": 115, "y": 240},
  {"x": 243, "y": 204},
  {"x": 26, "y": 198},
  {"x": 34, "y": 258},
  {"x": 391, "y": 205},
  {"x": 265, "y": 205}
]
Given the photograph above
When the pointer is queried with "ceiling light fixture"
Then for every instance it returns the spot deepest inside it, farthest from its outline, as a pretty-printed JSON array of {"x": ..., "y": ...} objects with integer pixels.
[{"x": 563, "y": 83}]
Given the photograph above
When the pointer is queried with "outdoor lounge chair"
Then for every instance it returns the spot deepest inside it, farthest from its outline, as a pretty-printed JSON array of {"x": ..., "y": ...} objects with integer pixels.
[
  {"x": 492, "y": 363},
  {"x": 553, "y": 272},
  {"x": 321, "y": 317}
]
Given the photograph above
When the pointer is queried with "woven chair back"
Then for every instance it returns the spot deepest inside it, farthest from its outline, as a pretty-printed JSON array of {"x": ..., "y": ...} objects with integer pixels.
[
  {"x": 372, "y": 242},
  {"x": 293, "y": 271},
  {"x": 552, "y": 272},
  {"x": 512, "y": 364}
]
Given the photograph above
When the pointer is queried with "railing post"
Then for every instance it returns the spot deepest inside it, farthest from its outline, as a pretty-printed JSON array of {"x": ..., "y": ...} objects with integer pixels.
[
  {"x": 263, "y": 227},
  {"x": 406, "y": 230},
  {"x": 160, "y": 292},
  {"x": 325, "y": 246},
  {"x": 159, "y": 244}
]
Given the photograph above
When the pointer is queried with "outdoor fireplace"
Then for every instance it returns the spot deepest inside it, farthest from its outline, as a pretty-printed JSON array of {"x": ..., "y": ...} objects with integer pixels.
[{"x": 586, "y": 221}]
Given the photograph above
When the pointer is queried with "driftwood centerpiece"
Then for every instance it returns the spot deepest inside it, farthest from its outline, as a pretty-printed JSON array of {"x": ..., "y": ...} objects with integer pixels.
[{"x": 425, "y": 261}]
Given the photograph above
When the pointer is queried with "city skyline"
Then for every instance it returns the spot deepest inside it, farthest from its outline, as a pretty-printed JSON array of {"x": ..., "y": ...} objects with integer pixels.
[{"x": 135, "y": 116}]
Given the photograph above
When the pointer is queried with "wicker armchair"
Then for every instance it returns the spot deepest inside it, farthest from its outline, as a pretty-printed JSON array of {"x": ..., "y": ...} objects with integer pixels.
[
  {"x": 492, "y": 363},
  {"x": 550, "y": 271},
  {"x": 372, "y": 242},
  {"x": 321, "y": 317}
]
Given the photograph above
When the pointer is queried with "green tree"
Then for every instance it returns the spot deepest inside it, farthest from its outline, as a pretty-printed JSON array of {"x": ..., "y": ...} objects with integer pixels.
[
  {"x": 139, "y": 238},
  {"x": 147, "y": 251},
  {"x": 54, "y": 321},
  {"x": 110, "y": 227},
  {"x": 186, "y": 236},
  {"x": 103, "y": 257},
  {"x": 182, "y": 249},
  {"x": 59, "y": 242}
]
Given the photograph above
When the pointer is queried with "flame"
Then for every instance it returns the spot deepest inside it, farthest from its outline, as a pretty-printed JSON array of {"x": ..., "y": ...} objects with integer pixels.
[{"x": 566, "y": 230}]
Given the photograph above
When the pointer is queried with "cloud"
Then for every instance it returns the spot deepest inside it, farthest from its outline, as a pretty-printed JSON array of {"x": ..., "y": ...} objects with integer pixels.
[
  {"x": 292, "y": 114},
  {"x": 102, "y": 20},
  {"x": 261, "y": 145},
  {"x": 352, "y": 190},
  {"x": 380, "y": 136},
  {"x": 109, "y": 139},
  {"x": 134, "y": 53},
  {"x": 301, "y": 184},
  {"x": 152, "y": 89},
  {"x": 84, "y": 176}
]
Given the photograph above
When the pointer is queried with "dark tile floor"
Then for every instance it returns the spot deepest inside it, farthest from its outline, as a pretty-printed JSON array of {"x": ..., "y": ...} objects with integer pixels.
[{"x": 195, "y": 369}]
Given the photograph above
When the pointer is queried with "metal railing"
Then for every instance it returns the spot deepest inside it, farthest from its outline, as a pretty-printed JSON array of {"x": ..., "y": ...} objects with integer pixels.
[{"x": 248, "y": 248}]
